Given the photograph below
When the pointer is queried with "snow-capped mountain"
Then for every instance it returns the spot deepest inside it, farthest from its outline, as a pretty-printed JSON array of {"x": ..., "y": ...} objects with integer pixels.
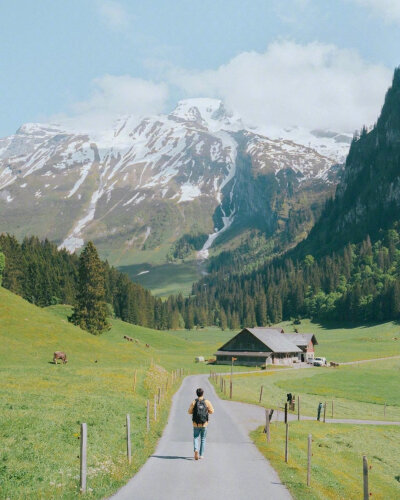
[{"x": 143, "y": 184}]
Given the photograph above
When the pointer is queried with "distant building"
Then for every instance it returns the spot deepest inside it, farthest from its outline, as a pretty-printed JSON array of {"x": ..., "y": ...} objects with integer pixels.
[
  {"x": 262, "y": 346},
  {"x": 305, "y": 342}
]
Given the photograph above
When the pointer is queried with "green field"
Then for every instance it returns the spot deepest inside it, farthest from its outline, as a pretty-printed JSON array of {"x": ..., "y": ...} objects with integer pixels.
[
  {"x": 337, "y": 451},
  {"x": 165, "y": 278},
  {"x": 357, "y": 391},
  {"x": 338, "y": 343},
  {"x": 42, "y": 405}
]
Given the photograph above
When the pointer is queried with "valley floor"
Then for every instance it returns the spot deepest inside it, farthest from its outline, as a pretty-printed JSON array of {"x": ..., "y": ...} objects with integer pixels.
[{"x": 42, "y": 405}]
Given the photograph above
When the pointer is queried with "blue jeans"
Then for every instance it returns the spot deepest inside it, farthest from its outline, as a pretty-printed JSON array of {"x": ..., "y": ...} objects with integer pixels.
[{"x": 199, "y": 433}]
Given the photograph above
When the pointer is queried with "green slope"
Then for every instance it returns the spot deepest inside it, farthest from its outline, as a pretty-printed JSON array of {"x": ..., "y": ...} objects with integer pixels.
[{"x": 42, "y": 405}]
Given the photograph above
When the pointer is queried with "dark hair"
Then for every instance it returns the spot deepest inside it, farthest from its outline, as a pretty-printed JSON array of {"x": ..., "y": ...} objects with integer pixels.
[{"x": 199, "y": 392}]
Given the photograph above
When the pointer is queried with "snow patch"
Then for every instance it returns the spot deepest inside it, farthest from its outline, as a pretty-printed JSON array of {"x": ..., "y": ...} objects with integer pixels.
[
  {"x": 72, "y": 243},
  {"x": 189, "y": 192}
]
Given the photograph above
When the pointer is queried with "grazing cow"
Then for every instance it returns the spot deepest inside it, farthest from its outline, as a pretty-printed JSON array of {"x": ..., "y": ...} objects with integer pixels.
[
  {"x": 332, "y": 363},
  {"x": 59, "y": 355},
  {"x": 147, "y": 345},
  {"x": 129, "y": 339}
]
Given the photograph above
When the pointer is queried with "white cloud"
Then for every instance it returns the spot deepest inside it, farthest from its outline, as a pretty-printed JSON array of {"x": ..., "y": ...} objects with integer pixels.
[
  {"x": 388, "y": 9},
  {"x": 113, "y": 14},
  {"x": 313, "y": 85},
  {"x": 113, "y": 96}
]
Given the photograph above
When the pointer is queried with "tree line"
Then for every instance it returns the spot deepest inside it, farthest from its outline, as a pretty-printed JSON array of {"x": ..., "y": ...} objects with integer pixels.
[
  {"x": 360, "y": 283},
  {"x": 44, "y": 275}
]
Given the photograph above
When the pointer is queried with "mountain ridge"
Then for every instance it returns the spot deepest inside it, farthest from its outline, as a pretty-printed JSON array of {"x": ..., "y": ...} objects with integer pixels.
[{"x": 136, "y": 189}]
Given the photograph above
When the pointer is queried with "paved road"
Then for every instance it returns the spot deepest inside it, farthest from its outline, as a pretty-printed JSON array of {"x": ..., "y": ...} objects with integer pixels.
[
  {"x": 233, "y": 467},
  {"x": 255, "y": 416}
]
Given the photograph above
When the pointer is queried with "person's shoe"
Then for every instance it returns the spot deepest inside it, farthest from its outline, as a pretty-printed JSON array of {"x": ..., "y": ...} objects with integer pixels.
[
  {"x": 196, "y": 455},
  {"x": 201, "y": 457}
]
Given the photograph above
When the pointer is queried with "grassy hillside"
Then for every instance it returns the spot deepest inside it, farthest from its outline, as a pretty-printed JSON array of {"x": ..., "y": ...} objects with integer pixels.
[{"x": 42, "y": 405}]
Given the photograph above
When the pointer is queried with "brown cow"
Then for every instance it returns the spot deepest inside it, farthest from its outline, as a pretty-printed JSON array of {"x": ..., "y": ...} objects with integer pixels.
[
  {"x": 60, "y": 355},
  {"x": 147, "y": 345}
]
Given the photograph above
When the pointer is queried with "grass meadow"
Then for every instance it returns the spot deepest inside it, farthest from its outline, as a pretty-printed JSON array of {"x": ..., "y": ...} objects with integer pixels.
[
  {"x": 351, "y": 343},
  {"x": 357, "y": 391},
  {"x": 337, "y": 451},
  {"x": 165, "y": 278},
  {"x": 42, "y": 405}
]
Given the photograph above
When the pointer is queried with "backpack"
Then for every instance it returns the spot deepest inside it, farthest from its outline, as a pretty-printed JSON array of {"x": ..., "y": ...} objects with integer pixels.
[{"x": 200, "y": 412}]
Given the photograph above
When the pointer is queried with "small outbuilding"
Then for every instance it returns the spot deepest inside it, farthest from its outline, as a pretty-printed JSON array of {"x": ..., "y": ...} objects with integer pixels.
[
  {"x": 259, "y": 346},
  {"x": 305, "y": 342}
]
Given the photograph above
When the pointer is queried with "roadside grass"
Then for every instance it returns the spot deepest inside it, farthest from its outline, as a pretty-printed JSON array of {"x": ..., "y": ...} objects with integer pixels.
[
  {"x": 352, "y": 343},
  {"x": 42, "y": 405},
  {"x": 357, "y": 391},
  {"x": 337, "y": 451}
]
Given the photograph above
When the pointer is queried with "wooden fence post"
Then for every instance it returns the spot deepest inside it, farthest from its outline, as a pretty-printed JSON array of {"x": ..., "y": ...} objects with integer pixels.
[
  {"x": 155, "y": 407},
  {"x": 159, "y": 396},
  {"x": 128, "y": 438},
  {"x": 230, "y": 389},
  {"x": 83, "y": 458},
  {"x": 325, "y": 412},
  {"x": 287, "y": 443},
  {"x": 286, "y": 408},
  {"x": 261, "y": 391},
  {"x": 309, "y": 460},
  {"x": 267, "y": 427},
  {"x": 148, "y": 416},
  {"x": 365, "y": 478},
  {"x": 298, "y": 407}
]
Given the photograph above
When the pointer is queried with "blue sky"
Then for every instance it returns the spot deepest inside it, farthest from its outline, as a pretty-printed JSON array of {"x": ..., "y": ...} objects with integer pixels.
[{"x": 81, "y": 58}]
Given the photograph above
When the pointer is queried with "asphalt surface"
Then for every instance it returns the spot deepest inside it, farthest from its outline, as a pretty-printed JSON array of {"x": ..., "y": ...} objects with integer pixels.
[{"x": 233, "y": 468}]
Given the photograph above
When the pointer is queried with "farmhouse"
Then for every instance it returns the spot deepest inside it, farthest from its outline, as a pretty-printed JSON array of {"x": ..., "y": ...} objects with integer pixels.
[
  {"x": 305, "y": 342},
  {"x": 259, "y": 346}
]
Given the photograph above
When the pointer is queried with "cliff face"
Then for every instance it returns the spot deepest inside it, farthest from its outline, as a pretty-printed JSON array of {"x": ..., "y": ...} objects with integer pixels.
[{"x": 368, "y": 196}]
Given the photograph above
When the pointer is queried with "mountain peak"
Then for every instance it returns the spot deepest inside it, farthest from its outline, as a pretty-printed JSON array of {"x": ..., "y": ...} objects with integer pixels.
[
  {"x": 38, "y": 129},
  {"x": 208, "y": 112}
]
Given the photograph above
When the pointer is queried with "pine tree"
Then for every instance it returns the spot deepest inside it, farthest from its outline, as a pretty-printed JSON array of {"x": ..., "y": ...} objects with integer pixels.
[
  {"x": 2, "y": 265},
  {"x": 261, "y": 309},
  {"x": 223, "y": 320},
  {"x": 90, "y": 311}
]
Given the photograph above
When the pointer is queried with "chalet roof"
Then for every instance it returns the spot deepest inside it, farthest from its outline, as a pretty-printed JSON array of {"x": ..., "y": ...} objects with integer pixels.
[
  {"x": 302, "y": 339},
  {"x": 274, "y": 339}
]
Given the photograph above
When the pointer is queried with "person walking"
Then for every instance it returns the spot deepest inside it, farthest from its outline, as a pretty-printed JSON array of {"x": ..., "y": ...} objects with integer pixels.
[{"x": 200, "y": 409}]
